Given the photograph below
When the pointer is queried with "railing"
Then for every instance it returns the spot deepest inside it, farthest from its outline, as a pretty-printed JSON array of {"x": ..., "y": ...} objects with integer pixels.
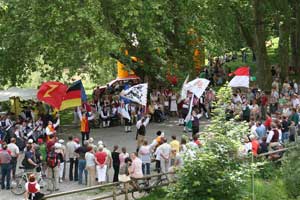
[{"x": 115, "y": 190}]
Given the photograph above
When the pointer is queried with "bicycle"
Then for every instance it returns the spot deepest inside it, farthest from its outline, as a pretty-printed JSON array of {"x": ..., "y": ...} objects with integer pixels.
[
  {"x": 46, "y": 184},
  {"x": 146, "y": 186}
]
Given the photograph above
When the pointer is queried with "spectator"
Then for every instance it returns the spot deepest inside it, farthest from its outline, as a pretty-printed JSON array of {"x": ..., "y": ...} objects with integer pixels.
[
  {"x": 90, "y": 166},
  {"x": 116, "y": 162},
  {"x": 136, "y": 167},
  {"x": 53, "y": 166},
  {"x": 82, "y": 162},
  {"x": 5, "y": 161},
  {"x": 145, "y": 155},
  {"x": 14, "y": 149},
  {"x": 101, "y": 161},
  {"x": 32, "y": 189},
  {"x": 72, "y": 145},
  {"x": 123, "y": 155},
  {"x": 165, "y": 151}
]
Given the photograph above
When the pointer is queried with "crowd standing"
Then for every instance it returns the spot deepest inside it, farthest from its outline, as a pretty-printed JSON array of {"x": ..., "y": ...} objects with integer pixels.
[{"x": 273, "y": 120}]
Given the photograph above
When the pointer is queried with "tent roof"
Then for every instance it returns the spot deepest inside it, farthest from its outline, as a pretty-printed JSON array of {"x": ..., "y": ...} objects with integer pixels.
[{"x": 22, "y": 93}]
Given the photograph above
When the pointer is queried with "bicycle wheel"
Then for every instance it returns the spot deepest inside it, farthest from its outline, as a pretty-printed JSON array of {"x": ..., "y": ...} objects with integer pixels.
[
  {"x": 18, "y": 188},
  {"x": 47, "y": 185},
  {"x": 141, "y": 192}
]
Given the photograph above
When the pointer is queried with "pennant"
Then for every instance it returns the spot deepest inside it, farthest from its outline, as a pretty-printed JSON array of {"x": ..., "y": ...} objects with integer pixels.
[
  {"x": 137, "y": 93},
  {"x": 52, "y": 93},
  {"x": 74, "y": 96},
  {"x": 197, "y": 86}
]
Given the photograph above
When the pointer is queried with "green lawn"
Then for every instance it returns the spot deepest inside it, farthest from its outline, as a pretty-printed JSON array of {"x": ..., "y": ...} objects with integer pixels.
[{"x": 263, "y": 190}]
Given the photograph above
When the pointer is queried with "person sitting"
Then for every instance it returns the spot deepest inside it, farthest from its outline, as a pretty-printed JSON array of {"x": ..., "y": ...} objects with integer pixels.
[{"x": 32, "y": 189}]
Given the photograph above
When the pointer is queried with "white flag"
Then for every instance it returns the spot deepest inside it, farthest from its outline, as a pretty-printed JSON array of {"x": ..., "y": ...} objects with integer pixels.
[
  {"x": 197, "y": 86},
  {"x": 137, "y": 93},
  {"x": 183, "y": 93}
]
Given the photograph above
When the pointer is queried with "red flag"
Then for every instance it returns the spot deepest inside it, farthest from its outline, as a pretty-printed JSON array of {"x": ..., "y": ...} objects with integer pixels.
[
  {"x": 241, "y": 71},
  {"x": 52, "y": 93}
]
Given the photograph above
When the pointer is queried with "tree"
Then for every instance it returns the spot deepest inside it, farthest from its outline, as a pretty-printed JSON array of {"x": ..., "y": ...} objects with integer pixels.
[
  {"x": 64, "y": 34},
  {"x": 215, "y": 171}
]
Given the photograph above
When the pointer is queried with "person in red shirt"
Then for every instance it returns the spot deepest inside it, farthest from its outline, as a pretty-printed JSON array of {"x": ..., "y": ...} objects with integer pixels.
[
  {"x": 264, "y": 102},
  {"x": 268, "y": 121},
  {"x": 32, "y": 188},
  {"x": 50, "y": 143},
  {"x": 254, "y": 144},
  {"x": 101, "y": 161}
]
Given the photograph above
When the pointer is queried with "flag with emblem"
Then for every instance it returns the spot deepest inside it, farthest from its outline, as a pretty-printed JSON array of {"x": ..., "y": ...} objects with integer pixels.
[
  {"x": 137, "y": 93},
  {"x": 197, "y": 86},
  {"x": 75, "y": 96},
  {"x": 52, "y": 93}
]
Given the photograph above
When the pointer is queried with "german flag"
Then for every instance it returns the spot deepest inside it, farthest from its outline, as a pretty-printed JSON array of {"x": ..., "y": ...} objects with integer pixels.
[{"x": 74, "y": 96}]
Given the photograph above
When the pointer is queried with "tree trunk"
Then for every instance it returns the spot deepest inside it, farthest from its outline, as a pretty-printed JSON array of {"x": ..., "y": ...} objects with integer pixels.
[
  {"x": 295, "y": 35},
  {"x": 263, "y": 71},
  {"x": 283, "y": 50}
]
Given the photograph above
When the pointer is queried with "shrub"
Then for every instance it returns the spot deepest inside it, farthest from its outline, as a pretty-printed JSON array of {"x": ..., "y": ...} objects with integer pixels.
[
  {"x": 291, "y": 172},
  {"x": 215, "y": 172}
]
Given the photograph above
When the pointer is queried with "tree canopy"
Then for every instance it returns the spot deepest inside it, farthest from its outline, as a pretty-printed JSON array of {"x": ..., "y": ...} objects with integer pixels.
[{"x": 81, "y": 36}]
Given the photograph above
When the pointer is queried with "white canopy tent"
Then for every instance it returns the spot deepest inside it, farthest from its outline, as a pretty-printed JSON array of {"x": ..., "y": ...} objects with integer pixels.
[{"x": 22, "y": 93}]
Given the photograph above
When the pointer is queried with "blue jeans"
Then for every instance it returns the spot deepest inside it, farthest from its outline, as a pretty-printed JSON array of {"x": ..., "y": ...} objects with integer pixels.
[
  {"x": 5, "y": 172},
  {"x": 285, "y": 136},
  {"x": 81, "y": 169},
  {"x": 146, "y": 168}
]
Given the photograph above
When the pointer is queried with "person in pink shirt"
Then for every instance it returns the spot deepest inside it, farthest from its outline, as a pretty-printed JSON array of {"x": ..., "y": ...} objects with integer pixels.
[{"x": 136, "y": 166}]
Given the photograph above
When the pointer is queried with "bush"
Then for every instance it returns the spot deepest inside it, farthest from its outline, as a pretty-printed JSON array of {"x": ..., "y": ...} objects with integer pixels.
[
  {"x": 291, "y": 172},
  {"x": 215, "y": 172}
]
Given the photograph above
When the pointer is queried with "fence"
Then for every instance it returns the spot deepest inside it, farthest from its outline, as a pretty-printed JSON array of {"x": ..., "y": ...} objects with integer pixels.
[{"x": 116, "y": 191}]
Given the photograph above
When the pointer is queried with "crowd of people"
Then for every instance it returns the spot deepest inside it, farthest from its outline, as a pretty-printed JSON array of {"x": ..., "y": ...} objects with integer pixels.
[{"x": 33, "y": 140}]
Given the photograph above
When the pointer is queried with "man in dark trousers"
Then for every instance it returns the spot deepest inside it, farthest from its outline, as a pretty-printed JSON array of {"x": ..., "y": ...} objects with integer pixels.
[{"x": 5, "y": 160}]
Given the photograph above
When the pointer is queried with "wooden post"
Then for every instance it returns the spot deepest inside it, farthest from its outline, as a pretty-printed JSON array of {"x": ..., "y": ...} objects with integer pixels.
[
  {"x": 126, "y": 190},
  {"x": 114, "y": 194}
]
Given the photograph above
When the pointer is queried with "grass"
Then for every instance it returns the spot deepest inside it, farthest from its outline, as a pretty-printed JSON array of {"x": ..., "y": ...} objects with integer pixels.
[
  {"x": 272, "y": 53},
  {"x": 264, "y": 190},
  {"x": 157, "y": 194}
]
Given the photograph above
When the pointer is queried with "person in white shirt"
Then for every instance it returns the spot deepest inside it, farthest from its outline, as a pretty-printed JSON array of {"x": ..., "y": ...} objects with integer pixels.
[
  {"x": 14, "y": 149},
  {"x": 295, "y": 101},
  {"x": 274, "y": 136},
  {"x": 165, "y": 152},
  {"x": 71, "y": 146},
  {"x": 145, "y": 156},
  {"x": 141, "y": 130}
]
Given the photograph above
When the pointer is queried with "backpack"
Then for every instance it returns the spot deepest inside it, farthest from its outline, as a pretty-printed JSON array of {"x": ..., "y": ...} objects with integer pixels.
[{"x": 52, "y": 160}]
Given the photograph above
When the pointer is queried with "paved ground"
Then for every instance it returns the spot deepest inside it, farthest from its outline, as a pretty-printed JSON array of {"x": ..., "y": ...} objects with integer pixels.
[{"x": 111, "y": 136}]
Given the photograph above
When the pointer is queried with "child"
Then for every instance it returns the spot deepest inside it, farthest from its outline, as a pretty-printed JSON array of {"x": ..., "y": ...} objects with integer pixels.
[{"x": 32, "y": 189}]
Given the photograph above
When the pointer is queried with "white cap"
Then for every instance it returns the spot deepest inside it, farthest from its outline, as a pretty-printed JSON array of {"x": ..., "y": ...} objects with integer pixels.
[
  {"x": 100, "y": 142},
  {"x": 30, "y": 141},
  {"x": 61, "y": 141},
  {"x": 91, "y": 140},
  {"x": 57, "y": 145}
]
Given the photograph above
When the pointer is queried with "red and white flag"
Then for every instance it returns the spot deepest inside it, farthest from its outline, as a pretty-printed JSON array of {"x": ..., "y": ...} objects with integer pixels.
[{"x": 242, "y": 77}]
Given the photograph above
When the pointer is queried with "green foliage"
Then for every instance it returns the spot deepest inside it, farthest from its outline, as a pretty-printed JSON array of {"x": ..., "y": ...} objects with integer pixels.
[
  {"x": 291, "y": 172},
  {"x": 50, "y": 37},
  {"x": 268, "y": 190},
  {"x": 214, "y": 171}
]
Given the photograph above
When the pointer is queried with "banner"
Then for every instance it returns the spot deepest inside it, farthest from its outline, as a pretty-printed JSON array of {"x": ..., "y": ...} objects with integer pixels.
[
  {"x": 137, "y": 93},
  {"x": 74, "y": 96},
  {"x": 197, "y": 86},
  {"x": 52, "y": 93}
]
